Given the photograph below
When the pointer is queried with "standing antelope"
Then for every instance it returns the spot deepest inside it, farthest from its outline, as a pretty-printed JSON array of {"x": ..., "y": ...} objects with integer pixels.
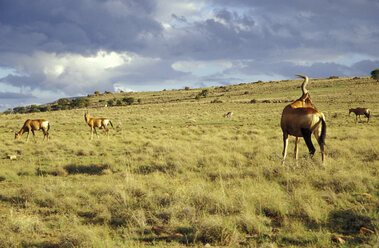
[
  {"x": 301, "y": 119},
  {"x": 101, "y": 123},
  {"x": 359, "y": 112},
  {"x": 34, "y": 125}
]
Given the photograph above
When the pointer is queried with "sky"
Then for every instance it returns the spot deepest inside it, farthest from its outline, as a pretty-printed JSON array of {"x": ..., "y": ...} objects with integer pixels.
[{"x": 50, "y": 49}]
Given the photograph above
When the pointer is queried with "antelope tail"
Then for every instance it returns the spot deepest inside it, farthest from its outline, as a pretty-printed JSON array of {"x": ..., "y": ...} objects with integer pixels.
[
  {"x": 48, "y": 126},
  {"x": 368, "y": 114},
  {"x": 321, "y": 139},
  {"x": 110, "y": 123}
]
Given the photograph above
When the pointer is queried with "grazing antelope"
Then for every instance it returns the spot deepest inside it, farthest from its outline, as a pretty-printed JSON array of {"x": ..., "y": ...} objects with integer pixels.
[
  {"x": 101, "y": 123},
  {"x": 301, "y": 119},
  {"x": 229, "y": 114},
  {"x": 34, "y": 125},
  {"x": 359, "y": 112}
]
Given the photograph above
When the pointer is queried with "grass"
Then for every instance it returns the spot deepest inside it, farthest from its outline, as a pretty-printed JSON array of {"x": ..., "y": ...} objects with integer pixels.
[{"x": 174, "y": 172}]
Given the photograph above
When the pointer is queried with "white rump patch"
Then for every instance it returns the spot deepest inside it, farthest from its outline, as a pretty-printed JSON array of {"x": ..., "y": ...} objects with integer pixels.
[{"x": 45, "y": 124}]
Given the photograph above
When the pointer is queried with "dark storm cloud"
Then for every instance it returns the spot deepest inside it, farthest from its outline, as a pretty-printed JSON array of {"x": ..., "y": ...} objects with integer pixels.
[
  {"x": 268, "y": 30},
  {"x": 75, "y": 26}
]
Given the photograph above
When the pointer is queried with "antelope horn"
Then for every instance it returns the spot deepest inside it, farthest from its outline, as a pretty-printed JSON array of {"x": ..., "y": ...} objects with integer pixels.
[{"x": 305, "y": 91}]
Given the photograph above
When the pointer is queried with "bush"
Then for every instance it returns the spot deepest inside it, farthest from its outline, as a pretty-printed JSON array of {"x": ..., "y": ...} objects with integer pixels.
[
  {"x": 110, "y": 102},
  {"x": 34, "y": 108},
  {"x": 187, "y": 88},
  {"x": 43, "y": 108},
  {"x": 375, "y": 74},
  {"x": 128, "y": 100},
  {"x": 79, "y": 102},
  {"x": 20, "y": 110},
  {"x": 203, "y": 93},
  {"x": 333, "y": 77},
  {"x": 7, "y": 112},
  {"x": 63, "y": 101}
]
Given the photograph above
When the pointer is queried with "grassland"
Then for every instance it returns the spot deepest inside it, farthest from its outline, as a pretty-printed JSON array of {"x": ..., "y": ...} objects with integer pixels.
[{"x": 174, "y": 172}]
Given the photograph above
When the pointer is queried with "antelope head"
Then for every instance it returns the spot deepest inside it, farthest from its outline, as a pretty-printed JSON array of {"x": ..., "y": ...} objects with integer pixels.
[{"x": 16, "y": 135}]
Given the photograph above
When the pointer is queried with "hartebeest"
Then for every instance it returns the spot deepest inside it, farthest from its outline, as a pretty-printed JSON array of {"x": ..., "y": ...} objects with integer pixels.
[
  {"x": 359, "y": 112},
  {"x": 94, "y": 123},
  {"x": 301, "y": 119},
  {"x": 34, "y": 125}
]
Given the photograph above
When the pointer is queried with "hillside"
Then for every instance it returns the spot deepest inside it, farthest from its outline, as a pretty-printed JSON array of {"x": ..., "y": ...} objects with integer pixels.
[
  {"x": 175, "y": 172},
  {"x": 245, "y": 92}
]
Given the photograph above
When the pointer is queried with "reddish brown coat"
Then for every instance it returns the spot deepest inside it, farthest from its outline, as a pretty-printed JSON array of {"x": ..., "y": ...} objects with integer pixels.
[{"x": 34, "y": 125}]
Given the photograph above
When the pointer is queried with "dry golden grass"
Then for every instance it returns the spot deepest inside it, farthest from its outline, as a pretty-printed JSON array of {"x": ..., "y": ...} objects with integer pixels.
[{"x": 175, "y": 172}]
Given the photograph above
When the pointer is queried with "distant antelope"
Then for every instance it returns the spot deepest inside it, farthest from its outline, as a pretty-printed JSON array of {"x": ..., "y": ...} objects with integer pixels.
[
  {"x": 301, "y": 119},
  {"x": 94, "y": 123},
  {"x": 359, "y": 112},
  {"x": 229, "y": 114},
  {"x": 34, "y": 125}
]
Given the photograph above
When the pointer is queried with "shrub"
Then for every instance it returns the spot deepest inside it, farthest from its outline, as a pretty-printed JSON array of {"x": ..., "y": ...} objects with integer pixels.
[
  {"x": 187, "y": 88},
  {"x": 203, "y": 93},
  {"x": 110, "y": 102},
  {"x": 333, "y": 77},
  {"x": 63, "y": 101},
  {"x": 128, "y": 100},
  {"x": 80, "y": 102},
  {"x": 34, "y": 108},
  {"x": 7, "y": 112},
  {"x": 19, "y": 110},
  {"x": 43, "y": 108},
  {"x": 375, "y": 74}
]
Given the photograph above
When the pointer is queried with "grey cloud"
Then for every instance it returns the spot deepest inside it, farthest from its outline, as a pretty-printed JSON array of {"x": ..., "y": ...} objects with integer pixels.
[
  {"x": 315, "y": 70},
  {"x": 12, "y": 95},
  {"x": 75, "y": 26}
]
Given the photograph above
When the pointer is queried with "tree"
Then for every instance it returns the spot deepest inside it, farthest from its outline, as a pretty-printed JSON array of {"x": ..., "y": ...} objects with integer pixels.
[
  {"x": 19, "y": 109},
  {"x": 375, "y": 74}
]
